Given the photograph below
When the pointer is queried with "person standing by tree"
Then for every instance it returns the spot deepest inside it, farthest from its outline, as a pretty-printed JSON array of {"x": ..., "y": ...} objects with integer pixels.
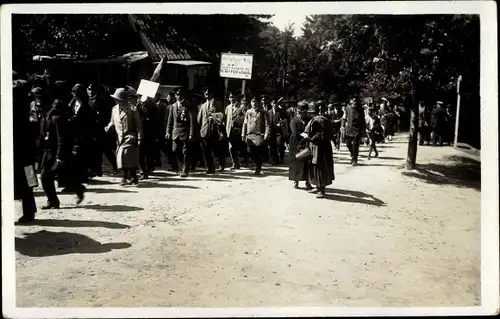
[
  {"x": 423, "y": 123},
  {"x": 318, "y": 133},
  {"x": 256, "y": 132},
  {"x": 298, "y": 170},
  {"x": 336, "y": 120},
  {"x": 354, "y": 126},
  {"x": 127, "y": 124},
  {"x": 182, "y": 128},
  {"x": 438, "y": 123},
  {"x": 212, "y": 131}
]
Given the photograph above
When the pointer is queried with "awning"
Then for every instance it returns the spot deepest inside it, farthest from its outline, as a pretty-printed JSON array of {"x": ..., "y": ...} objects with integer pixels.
[{"x": 187, "y": 62}]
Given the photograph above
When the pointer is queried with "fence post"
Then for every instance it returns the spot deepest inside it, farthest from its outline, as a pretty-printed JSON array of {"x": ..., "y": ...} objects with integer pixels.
[{"x": 455, "y": 142}]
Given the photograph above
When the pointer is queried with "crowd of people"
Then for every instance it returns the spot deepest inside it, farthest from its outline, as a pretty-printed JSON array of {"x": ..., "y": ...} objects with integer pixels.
[{"x": 65, "y": 137}]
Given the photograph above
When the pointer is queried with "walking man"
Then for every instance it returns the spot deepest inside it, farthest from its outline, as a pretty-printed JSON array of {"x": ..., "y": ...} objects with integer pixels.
[
  {"x": 256, "y": 132},
  {"x": 354, "y": 126},
  {"x": 212, "y": 132},
  {"x": 182, "y": 129}
]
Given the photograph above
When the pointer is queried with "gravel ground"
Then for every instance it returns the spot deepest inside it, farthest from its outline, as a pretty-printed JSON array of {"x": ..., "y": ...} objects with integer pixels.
[{"x": 382, "y": 237}]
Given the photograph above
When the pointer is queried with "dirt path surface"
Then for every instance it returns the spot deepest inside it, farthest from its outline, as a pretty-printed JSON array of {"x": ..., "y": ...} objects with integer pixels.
[{"x": 382, "y": 237}]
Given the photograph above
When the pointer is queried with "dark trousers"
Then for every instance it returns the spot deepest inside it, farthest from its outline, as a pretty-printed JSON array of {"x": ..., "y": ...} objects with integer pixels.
[
  {"x": 71, "y": 183},
  {"x": 336, "y": 139},
  {"x": 146, "y": 155},
  {"x": 165, "y": 146},
  {"x": 437, "y": 137},
  {"x": 257, "y": 153},
  {"x": 183, "y": 151},
  {"x": 104, "y": 148},
  {"x": 212, "y": 147},
  {"x": 352, "y": 143},
  {"x": 423, "y": 135},
  {"x": 277, "y": 148},
  {"x": 28, "y": 202},
  {"x": 237, "y": 148}
]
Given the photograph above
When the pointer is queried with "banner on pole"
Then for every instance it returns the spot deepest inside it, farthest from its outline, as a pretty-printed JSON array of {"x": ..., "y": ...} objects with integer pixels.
[
  {"x": 148, "y": 88},
  {"x": 236, "y": 66}
]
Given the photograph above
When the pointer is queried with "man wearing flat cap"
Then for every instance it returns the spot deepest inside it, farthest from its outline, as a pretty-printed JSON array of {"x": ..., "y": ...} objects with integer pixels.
[
  {"x": 438, "y": 123},
  {"x": 212, "y": 132},
  {"x": 234, "y": 117},
  {"x": 182, "y": 128}
]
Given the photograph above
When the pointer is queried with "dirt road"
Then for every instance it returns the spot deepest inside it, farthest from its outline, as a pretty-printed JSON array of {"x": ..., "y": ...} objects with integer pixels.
[{"x": 382, "y": 237}]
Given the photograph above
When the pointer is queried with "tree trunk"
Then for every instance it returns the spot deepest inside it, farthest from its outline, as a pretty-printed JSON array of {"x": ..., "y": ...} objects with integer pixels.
[{"x": 411, "y": 158}]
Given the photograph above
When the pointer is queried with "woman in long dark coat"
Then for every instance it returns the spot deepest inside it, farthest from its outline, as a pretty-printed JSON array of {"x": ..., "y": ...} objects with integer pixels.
[
  {"x": 319, "y": 133},
  {"x": 298, "y": 170},
  {"x": 84, "y": 128},
  {"x": 25, "y": 150}
]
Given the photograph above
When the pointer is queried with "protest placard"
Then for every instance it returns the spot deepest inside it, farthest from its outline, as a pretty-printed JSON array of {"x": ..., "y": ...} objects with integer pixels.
[
  {"x": 236, "y": 66},
  {"x": 148, "y": 88}
]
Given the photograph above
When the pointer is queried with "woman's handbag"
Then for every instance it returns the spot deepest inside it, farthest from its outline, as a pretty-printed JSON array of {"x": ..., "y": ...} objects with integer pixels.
[{"x": 304, "y": 153}]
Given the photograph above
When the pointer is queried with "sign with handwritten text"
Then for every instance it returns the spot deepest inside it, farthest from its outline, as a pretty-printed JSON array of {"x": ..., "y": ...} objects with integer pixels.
[{"x": 236, "y": 66}]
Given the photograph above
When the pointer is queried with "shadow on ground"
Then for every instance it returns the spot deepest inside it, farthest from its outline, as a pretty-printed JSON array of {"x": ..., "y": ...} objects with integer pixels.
[
  {"x": 75, "y": 223},
  {"x": 46, "y": 243},
  {"x": 460, "y": 171},
  {"x": 349, "y": 196},
  {"x": 144, "y": 184},
  {"x": 107, "y": 208},
  {"x": 40, "y": 192}
]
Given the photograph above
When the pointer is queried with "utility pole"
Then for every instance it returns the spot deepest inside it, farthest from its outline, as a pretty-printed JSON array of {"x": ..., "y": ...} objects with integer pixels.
[{"x": 459, "y": 81}]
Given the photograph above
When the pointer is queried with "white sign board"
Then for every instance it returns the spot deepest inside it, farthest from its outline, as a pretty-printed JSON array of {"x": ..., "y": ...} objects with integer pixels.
[
  {"x": 236, "y": 66},
  {"x": 148, "y": 88}
]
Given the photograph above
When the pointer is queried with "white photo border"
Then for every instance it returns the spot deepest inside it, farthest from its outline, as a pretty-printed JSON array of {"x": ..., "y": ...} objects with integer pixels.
[{"x": 489, "y": 149}]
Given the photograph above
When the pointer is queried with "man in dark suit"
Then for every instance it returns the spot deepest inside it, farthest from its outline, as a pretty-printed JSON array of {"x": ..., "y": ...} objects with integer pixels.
[
  {"x": 60, "y": 157},
  {"x": 354, "y": 118},
  {"x": 438, "y": 123},
  {"x": 182, "y": 128},
  {"x": 25, "y": 150},
  {"x": 277, "y": 121},
  {"x": 165, "y": 145},
  {"x": 212, "y": 132}
]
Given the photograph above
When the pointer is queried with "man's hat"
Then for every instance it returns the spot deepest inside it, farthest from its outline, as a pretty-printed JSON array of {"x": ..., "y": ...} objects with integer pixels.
[
  {"x": 38, "y": 91},
  {"x": 281, "y": 100},
  {"x": 384, "y": 99},
  {"x": 180, "y": 89},
  {"x": 302, "y": 106},
  {"x": 439, "y": 103},
  {"x": 120, "y": 94},
  {"x": 312, "y": 108}
]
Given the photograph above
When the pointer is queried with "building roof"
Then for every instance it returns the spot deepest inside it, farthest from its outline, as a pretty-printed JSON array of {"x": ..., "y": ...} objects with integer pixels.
[{"x": 162, "y": 41}]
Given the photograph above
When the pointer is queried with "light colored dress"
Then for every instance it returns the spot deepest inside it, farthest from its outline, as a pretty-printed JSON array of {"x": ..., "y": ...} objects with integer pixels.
[{"x": 128, "y": 126}]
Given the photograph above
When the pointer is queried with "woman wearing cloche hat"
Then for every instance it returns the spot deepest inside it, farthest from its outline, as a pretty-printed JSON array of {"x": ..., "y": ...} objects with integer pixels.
[{"x": 128, "y": 126}]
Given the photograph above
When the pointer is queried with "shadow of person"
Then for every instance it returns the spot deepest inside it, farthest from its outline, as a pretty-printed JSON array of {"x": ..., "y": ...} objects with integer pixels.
[
  {"x": 108, "y": 208},
  {"x": 349, "y": 196},
  {"x": 75, "y": 223},
  {"x": 46, "y": 243}
]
